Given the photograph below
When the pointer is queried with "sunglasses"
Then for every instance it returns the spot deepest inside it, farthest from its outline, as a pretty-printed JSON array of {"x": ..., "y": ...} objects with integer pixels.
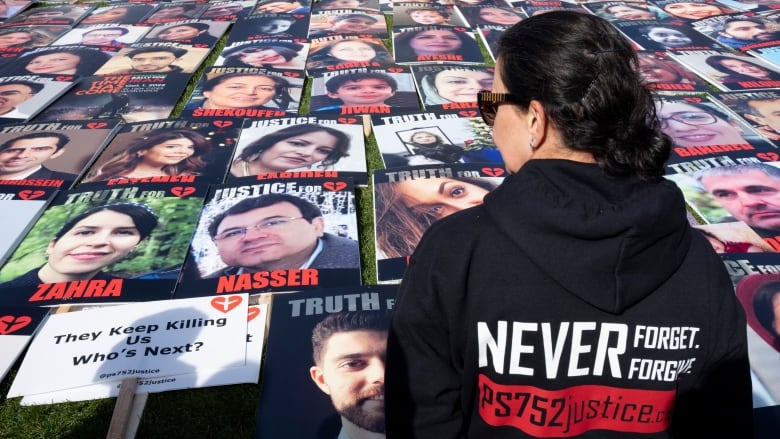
[{"x": 488, "y": 103}]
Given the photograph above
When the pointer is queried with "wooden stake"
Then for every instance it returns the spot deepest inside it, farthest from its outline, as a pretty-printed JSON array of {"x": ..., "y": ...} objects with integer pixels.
[{"x": 124, "y": 402}]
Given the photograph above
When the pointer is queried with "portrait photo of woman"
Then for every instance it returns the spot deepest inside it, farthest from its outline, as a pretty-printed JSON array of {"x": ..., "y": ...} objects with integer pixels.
[
  {"x": 89, "y": 242},
  {"x": 195, "y": 33},
  {"x": 24, "y": 38},
  {"x": 58, "y": 60},
  {"x": 157, "y": 153},
  {"x": 404, "y": 210},
  {"x": 245, "y": 90},
  {"x": 490, "y": 15},
  {"x": 740, "y": 69},
  {"x": 269, "y": 55},
  {"x": 695, "y": 124},
  {"x": 435, "y": 44},
  {"x": 428, "y": 147},
  {"x": 442, "y": 85},
  {"x": 759, "y": 295},
  {"x": 338, "y": 52},
  {"x": 695, "y": 10},
  {"x": 297, "y": 147}
]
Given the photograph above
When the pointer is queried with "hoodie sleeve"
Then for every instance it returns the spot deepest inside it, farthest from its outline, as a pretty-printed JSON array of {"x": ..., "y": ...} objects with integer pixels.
[{"x": 423, "y": 377}]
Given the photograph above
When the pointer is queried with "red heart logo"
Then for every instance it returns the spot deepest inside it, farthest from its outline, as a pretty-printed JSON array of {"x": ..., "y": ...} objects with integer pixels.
[
  {"x": 225, "y": 304},
  {"x": 493, "y": 172},
  {"x": 253, "y": 312},
  {"x": 292, "y": 74},
  {"x": 768, "y": 156},
  {"x": 9, "y": 324},
  {"x": 299, "y": 16},
  {"x": 96, "y": 125},
  {"x": 346, "y": 120},
  {"x": 394, "y": 70},
  {"x": 64, "y": 78},
  {"x": 30, "y": 194},
  {"x": 180, "y": 191},
  {"x": 8, "y": 55},
  {"x": 222, "y": 123},
  {"x": 201, "y": 45},
  {"x": 694, "y": 100},
  {"x": 468, "y": 113},
  {"x": 334, "y": 186}
]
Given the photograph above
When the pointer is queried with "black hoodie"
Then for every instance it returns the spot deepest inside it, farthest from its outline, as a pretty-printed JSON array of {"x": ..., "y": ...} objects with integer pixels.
[{"x": 569, "y": 304}]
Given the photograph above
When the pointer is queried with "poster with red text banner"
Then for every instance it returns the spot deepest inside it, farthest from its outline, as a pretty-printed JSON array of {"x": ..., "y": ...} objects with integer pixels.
[
  {"x": 20, "y": 207},
  {"x": 143, "y": 340},
  {"x": 274, "y": 233},
  {"x": 17, "y": 326},
  {"x": 105, "y": 242},
  {"x": 299, "y": 392},
  {"x": 202, "y": 377}
]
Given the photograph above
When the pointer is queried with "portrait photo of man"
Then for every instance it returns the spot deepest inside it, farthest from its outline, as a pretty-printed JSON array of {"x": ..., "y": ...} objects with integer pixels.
[
  {"x": 348, "y": 350},
  {"x": 740, "y": 31},
  {"x": 277, "y": 232},
  {"x": 23, "y": 157},
  {"x": 765, "y": 113},
  {"x": 13, "y": 93},
  {"x": 166, "y": 59}
]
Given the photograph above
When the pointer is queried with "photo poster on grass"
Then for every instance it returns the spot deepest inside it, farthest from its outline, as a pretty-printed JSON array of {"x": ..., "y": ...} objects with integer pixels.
[
  {"x": 147, "y": 340},
  {"x": 17, "y": 326}
]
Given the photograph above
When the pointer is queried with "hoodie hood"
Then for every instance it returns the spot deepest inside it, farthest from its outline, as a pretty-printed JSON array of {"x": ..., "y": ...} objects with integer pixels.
[{"x": 609, "y": 241}]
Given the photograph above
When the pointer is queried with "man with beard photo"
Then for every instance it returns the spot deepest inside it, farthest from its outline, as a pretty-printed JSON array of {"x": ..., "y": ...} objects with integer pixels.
[{"x": 348, "y": 349}]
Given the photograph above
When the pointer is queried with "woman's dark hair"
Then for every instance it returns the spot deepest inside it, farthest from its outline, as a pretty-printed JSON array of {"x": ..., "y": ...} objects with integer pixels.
[
  {"x": 282, "y": 97},
  {"x": 130, "y": 157},
  {"x": 253, "y": 151},
  {"x": 89, "y": 59},
  {"x": 469, "y": 49},
  {"x": 763, "y": 307},
  {"x": 233, "y": 56},
  {"x": 716, "y": 62},
  {"x": 320, "y": 56},
  {"x": 586, "y": 76},
  {"x": 143, "y": 217}
]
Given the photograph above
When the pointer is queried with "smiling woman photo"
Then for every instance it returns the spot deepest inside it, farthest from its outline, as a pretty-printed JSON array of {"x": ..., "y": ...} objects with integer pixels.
[
  {"x": 454, "y": 84},
  {"x": 89, "y": 242},
  {"x": 168, "y": 152},
  {"x": 244, "y": 90},
  {"x": 304, "y": 146},
  {"x": 82, "y": 61}
]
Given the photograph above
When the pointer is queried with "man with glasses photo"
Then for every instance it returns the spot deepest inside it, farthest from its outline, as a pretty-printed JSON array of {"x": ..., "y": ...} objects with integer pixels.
[{"x": 277, "y": 232}]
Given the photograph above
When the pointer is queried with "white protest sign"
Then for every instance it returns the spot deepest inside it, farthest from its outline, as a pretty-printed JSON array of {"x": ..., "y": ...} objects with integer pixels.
[
  {"x": 144, "y": 340},
  {"x": 248, "y": 373}
]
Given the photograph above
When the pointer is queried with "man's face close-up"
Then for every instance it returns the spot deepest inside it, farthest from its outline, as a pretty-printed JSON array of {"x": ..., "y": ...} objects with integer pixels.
[
  {"x": 752, "y": 197},
  {"x": 352, "y": 372},
  {"x": 100, "y": 37},
  {"x": 769, "y": 111},
  {"x": 12, "y": 95},
  {"x": 26, "y": 154},
  {"x": 281, "y": 247},
  {"x": 152, "y": 61}
]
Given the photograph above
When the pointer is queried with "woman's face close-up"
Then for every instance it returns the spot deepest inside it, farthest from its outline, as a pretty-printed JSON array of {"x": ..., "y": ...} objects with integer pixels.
[
  {"x": 428, "y": 17},
  {"x": 653, "y": 70},
  {"x": 169, "y": 152},
  {"x": 275, "y": 26},
  {"x": 668, "y": 37},
  {"x": 435, "y": 42},
  {"x": 177, "y": 33},
  {"x": 262, "y": 57},
  {"x": 240, "y": 92},
  {"x": 54, "y": 63},
  {"x": 692, "y": 11},
  {"x": 93, "y": 243},
  {"x": 693, "y": 126},
  {"x": 439, "y": 197},
  {"x": 625, "y": 12},
  {"x": 745, "y": 68},
  {"x": 424, "y": 138},
  {"x": 462, "y": 85},
  {"x": 15, "y": 39},
  {"x": 353, "y": 51},
  {"x": 498, "y": 16},
  {"x": 298, "y": 151},
  {"x": 109, "y": 16}
]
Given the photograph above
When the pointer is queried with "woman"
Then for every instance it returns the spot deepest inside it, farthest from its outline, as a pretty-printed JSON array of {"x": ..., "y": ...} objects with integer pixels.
[
  {"x": 89, "y": 242},
  {"x": 24, "y": 38},
  {"x": 82, "y": 61},
  {"x": 626, "y": 11},
  {"x": 430, "y": 44},
  {"x": 655, "y": 70},
  {"x": 693, "y": 124},
  {"x": 490, "y": 15},
  {"x": 433, "y": 147},
  {"x": 124, "y": 14},
  {"x": 455, "y": 84},
  {"x": 274, "y": 55},
  {"x": 695, "y": 10},
  {"x": 739, "y": 70},
  {"x": 186, "y": 33},
  {"x": 159, "y": 153},
  {"x": 337, "y": 52},
  {"x": 766, "y": 305},
  {"x": 304, "y": 146},
  {"x": 405, "y": 210},
  {"x": 537, "y": 301},
  {"x": 244, "y": 90}
]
